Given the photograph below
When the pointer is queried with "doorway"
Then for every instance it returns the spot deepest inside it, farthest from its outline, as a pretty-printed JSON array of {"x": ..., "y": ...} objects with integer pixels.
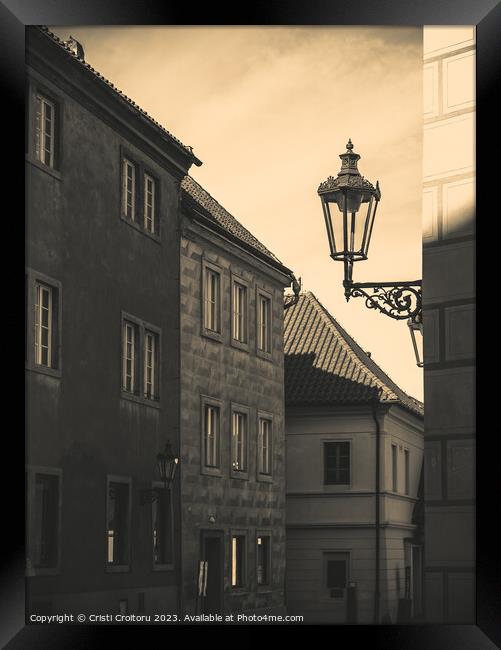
[{"x": 212, "y": 551}]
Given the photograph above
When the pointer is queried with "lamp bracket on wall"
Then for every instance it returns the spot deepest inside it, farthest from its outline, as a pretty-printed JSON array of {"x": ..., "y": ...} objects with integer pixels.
[{"x": 398, "y": 300}]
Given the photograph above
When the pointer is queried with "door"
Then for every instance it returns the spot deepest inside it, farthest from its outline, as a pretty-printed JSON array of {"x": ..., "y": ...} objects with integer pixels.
[
  {"x": 212, "y": 547},
  {"x": 336, "y": 570}
]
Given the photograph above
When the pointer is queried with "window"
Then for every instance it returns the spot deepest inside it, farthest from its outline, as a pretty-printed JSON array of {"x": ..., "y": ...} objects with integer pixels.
[
  {"x": 263, "y": 323},
  {"x": 129, "y": 357},
  {"x": 43, "y": 324},
  {"x": 161, "y": 515},
  {"x": 212, "y": 300},
  {"x": 129, "y": 189},
  {"x": 263, "y": 560},
  {"x": 118, "y": 523},
  {"x": 140, "y": 360},
  {"x": 264, "y": 446},
  {"x": 150, "y": 355},
  {"x": 237, "y": 561},
  {"x": 336, "y": 463},
  {"x": 45, "y": 115},
  {"x": 394, "y": 460},
  {"x": 149, "y": 203},
  {"x": 45, "y": 521},
  {"x": 43, "y": 318},
  {"x": 211, "y": 435},
  {"x": 239, "y": 312},
  {"x": 239, "y": 442},
  {"x": 407, "y": 471},
  {"x": 139, "y": 195}
]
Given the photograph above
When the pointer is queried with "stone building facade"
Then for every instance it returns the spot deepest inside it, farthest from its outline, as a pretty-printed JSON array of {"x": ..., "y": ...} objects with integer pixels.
[
  {"x": 354, "y": 445},
  {"x": 235, "y": 376},
  {"x": 118, "y": 237},
  {"x": 449, "y": 321}
]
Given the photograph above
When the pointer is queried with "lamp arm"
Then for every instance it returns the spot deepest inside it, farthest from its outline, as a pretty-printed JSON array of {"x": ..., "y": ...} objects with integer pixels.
[{"x": 398, "y": 300}]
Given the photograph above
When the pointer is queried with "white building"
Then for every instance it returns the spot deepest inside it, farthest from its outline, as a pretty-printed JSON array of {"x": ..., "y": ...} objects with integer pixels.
[{"x": 340, "y": 406}]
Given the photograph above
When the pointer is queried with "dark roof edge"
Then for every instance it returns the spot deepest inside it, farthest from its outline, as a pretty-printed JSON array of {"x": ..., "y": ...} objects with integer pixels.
[
  {"x": 369, "y": 362},
  {"x": 199, "y": 213},
  {"x": 387, "y": 404},
  {"x": 186, "y": 150}
]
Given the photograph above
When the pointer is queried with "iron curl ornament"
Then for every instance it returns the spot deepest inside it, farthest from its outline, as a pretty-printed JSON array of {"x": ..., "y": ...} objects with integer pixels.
[{"x": 400, "y": 301}]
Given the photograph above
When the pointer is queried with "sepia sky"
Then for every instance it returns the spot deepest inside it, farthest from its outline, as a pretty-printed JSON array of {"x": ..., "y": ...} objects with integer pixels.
[{"x": 268, "y": 110}]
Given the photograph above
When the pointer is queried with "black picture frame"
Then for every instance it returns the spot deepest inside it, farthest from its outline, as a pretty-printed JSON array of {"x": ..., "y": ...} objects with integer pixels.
[{"x": 14, "y": 16}]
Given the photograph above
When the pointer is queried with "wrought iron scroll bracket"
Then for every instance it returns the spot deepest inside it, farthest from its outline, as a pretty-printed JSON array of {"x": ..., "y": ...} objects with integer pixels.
[{"x": 398, "y": 300}]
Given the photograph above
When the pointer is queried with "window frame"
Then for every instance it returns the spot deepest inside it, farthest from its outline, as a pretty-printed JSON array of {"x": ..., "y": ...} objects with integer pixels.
[
  {"x": 394, "y": 467},
  {"x": 243, "y": 410},
  {"x": 350, "y": 462},
  {"x": 244, "y": 587},
  {"x": 268, "y": 585},
  {"x": 31, "y": 472},
  {"x": 155, "y": 375},
  {"x": 33, "y": 277},
  {"x": 146, "y": 174},
  {"x": 237, "y": 343},
  {"x": 407, "y": 471},
  {"x": 126, "y": 161},
  {"x": 262, "y": 293},
  {"x": 142, "y": 169},
  {"x": 260, "y": 475},
  {"x": 205, "y": 401},
  {"x": 163, "y": 566},
  {"x": 143, "y": 327},
  {"x": 215, "y": 335},
  {"x": 109, "y": 567},
  {"x": 36, "y": 88}
]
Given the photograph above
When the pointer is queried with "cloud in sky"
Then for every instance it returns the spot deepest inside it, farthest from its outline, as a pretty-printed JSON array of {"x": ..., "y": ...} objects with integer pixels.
[{"x": 268, "y": 110}]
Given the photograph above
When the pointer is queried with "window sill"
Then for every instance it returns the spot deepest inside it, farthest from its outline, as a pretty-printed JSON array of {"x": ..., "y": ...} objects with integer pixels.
[
  {"x": 211, "y": 471},
  {"x": 240, "y": 591},
  {"x": 214, "y": 336},
  {"x": 162, "y": 567},
  {"x": 140, "y": 400},
  {"x": 264, "y": 590},
  {"x": 264, "y": 478},
  {"x": 266, "y": 356},
  {"x": 119, "y": 568},
  {"x": 241, "y": 476},
  {"x": 44, "y": 168},
  {"x": 239, "y": 345},
  {"x": 44, "y": 370},
  {"x": 136, "y": 226}
]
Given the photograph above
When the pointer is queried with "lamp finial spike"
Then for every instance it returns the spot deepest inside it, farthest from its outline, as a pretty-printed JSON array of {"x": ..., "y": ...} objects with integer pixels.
[{"x": 349, "y": 146}]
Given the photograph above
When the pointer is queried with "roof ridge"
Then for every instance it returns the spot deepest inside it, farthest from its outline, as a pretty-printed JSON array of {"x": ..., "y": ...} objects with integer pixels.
[
  {"x": 350, "y": 362},
  {"x": 368, "y": 360},
  {"x": 63, "y": 45}
]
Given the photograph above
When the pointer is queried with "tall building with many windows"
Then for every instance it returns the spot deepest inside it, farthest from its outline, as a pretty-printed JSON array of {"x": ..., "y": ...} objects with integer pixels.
[{"x": 152, "y": 316}]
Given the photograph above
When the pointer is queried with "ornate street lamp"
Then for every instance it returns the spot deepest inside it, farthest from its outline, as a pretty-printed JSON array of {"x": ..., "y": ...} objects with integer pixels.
[
  {"x": 167, "y": 463},
  {"x": 349, "y": 203}
]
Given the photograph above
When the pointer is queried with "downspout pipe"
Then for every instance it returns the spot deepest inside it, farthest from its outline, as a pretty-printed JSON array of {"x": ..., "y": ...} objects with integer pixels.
[{"x": 377, "y": 593}]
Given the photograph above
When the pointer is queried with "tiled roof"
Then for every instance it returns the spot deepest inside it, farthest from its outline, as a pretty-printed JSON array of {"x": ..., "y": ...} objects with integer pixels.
[
  {"x": 62, "y": 44},
  {"x": 222, "y": 216},
  {"x": 325, "y": 365}
]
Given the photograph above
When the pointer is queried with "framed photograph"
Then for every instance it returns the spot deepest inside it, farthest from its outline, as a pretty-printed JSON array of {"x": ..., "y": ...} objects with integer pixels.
[{"x": 250, "y": 324}]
